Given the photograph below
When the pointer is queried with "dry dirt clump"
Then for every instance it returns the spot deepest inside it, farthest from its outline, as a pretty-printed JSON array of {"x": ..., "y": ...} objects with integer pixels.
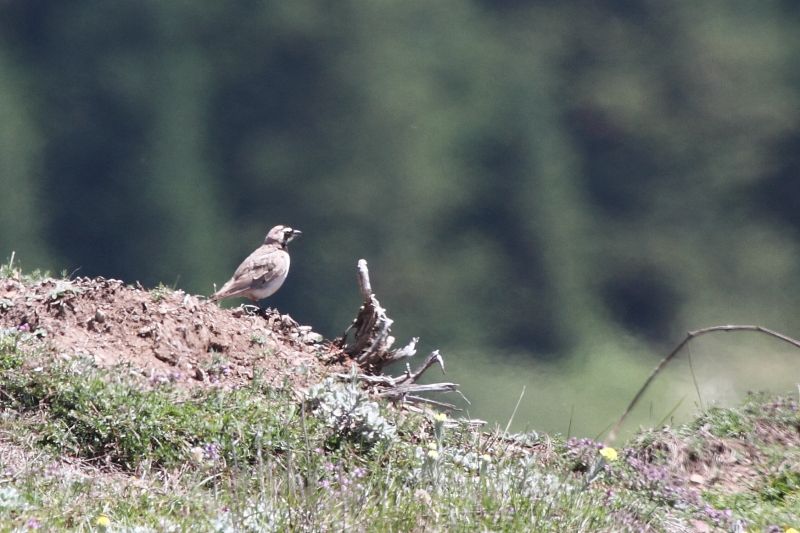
[
  {"x": 730, "y": 464},
  {"x": 168, "y": 335}
]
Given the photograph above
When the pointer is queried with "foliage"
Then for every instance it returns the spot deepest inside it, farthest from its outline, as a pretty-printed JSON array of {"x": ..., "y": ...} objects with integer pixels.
[{"x": 349, "y": 413}]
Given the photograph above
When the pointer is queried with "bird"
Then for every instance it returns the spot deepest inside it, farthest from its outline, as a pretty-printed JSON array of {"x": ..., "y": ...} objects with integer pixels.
[{"x": 264, "y": 270}]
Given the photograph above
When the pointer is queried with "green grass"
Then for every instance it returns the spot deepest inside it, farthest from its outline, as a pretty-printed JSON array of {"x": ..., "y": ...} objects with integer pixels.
[
  {"x": 10, "y": 269},
  {"x": 117, "y": 417},
  {"x": 79, "y": 442}
]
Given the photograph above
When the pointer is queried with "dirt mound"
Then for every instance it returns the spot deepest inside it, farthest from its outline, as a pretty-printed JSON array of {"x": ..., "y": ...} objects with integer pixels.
[{"x": 168, "y": 335}]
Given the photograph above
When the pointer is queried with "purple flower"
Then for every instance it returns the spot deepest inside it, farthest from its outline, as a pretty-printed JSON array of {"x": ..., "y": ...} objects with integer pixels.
[{"x": 212, "y": 451}]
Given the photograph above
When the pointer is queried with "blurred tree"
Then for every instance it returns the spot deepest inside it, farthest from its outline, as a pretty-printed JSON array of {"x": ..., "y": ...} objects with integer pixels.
[
  {"x": 523, "y": 176},
  {"x": 22, "y": 217}
]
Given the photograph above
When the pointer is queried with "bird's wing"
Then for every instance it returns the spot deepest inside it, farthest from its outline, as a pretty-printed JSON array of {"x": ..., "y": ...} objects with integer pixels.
[{"x": 263, "y": 264}]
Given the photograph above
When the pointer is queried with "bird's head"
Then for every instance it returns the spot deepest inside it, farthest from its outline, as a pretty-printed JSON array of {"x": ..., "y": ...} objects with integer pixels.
[{"x": 281, "y": 235}]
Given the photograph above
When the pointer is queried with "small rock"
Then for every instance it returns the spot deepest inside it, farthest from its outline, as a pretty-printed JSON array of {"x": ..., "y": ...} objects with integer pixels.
[
  {"x": 288, "y": 321},
  {"x": 697, "y": 479},
  {"x": 312, "y": 337},
  {"x": 99, "y": 316}
]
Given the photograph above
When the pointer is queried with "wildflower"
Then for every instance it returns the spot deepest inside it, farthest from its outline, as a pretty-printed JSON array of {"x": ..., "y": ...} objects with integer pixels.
[
  {"x": 609, "y": 454},
  {"x": 33, "y": 523},
  {"x": 211, "y": 451},
  {"x": 198, "y": 454},
  {"x": 423, "y": 496},
  {"x": 791, "y": 530},
  {"x": 102, "y": 521},
  {"x": 440, "y": 417},
  {"x": 433, "y": 451},
  {"x": 486, "y": 458}
]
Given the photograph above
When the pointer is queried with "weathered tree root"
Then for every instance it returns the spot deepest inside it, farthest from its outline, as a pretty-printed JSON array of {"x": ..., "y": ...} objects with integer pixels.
[{"x": 369, "y": 343}]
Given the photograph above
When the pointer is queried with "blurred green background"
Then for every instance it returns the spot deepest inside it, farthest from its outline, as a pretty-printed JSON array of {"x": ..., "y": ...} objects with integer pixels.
[{"x": 550, "y": 192}]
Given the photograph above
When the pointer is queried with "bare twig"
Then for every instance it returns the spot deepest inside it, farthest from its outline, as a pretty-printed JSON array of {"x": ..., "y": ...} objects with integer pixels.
[
  {"x": 689, "y": 336},
  {"x": 514, "y": 412},
  {"x": 433, "y": 357}
]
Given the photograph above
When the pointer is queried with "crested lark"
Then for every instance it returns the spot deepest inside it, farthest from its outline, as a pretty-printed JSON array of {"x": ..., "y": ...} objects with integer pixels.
[{"x": 264, "y": 271}]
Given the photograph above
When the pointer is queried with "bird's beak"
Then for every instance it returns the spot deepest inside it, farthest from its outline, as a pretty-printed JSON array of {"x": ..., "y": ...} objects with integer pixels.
[{"x": 295, "y": 233}]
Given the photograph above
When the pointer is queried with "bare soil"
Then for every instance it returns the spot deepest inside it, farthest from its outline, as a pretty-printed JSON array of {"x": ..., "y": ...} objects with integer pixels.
[{"x": 167, "y": 335}]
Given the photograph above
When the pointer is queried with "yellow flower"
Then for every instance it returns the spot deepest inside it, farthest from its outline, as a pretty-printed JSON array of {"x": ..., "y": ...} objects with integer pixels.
[
  {"x": 791, "y": 530},
  {"x": 433, "y": 446},
  {"x": 102, "y": 521},
  {"x": 433, "y": 454},
  {"x": 440, "y": 417},
  {"x": 486, "y": 458},
  {"x": 610, "y": 454}
]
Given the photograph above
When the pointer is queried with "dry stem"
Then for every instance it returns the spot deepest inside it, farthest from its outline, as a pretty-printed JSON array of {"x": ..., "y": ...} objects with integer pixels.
[{"x": 689, "y": 336}]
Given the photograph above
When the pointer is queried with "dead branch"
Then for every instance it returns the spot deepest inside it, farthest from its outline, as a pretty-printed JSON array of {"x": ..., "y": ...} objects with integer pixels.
[
  {"x": 612, "y": 435},
  {"x": 370, "y": 380},
  {"x": 409, "y": 376},
  {"x": 423, "y": 400},
  {"x": 369, "y": 343},
  {"x": 415, "y": 388}
]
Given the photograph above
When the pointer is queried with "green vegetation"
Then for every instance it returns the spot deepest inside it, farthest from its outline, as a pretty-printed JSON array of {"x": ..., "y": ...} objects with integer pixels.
[
  {"x": 160, "y": 292},
  {"x": 10, "y": 269},
  {"x": 93, "y": 415},
  {"x": 82, "y": 446}
]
